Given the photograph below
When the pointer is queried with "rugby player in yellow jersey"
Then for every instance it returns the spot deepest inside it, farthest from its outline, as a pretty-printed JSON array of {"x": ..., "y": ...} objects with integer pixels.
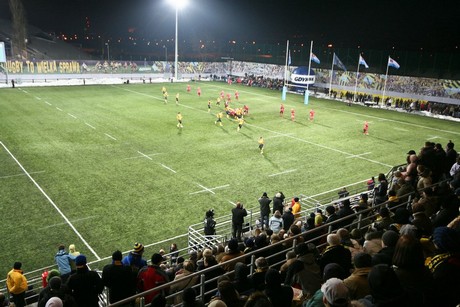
[
  {"x": 177, "y": 99},
  {"x": 219, "y": 119},
  {"x": 179, "y": 120},
  {"x": 209, "y": 105},
  {"x": 165, "y": 96},
  {"x": 261, "y": 145},
  {"x": 163, "y": 90},
  {"x": 218, "y": 101},
  {"x": 240, "y": 123}
]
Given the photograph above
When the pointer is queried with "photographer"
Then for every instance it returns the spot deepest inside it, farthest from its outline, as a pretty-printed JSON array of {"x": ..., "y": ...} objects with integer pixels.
[{"x": 209, "y": 224}]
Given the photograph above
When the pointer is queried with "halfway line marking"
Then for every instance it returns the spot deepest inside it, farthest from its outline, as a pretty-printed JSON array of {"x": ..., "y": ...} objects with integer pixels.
[
  {"x": 205, "y": 189},
  {"x": 356, "y": 156},
  {"x": 51, "y": 202},
  {"x": 71, "y": 115}
]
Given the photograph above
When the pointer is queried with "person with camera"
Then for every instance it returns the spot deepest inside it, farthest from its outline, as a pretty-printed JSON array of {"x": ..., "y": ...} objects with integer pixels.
[
  {"x": 238, "y": 214},
  {"x": 209, "y": 224}
]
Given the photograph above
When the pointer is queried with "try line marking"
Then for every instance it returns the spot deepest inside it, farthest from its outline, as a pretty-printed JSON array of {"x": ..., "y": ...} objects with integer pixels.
[{"x": 51, "y": 202}]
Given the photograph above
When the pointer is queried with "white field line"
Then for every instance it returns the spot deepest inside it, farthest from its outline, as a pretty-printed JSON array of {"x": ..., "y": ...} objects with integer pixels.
[
  {"x": 355, "y": 156},
  {"x": 168, "y": 168},
  {"x": 394, "y": 121},
  {"x": 71, "y": 115},
  {"x": 275, "y": 132},
  {"x": 59, "y": 109},
  {"x": 400, "y": 129},
  {"x": 108, "y": 135},
  {"x": 282, "y": 173},
  {"x": 38, "y": 98},
  {"x": 434, "y": 137},
  {"x": 48, "y": 103},
  {"x": 90, "y": 126},
  {"x": 60, "y": 224},
  {"x": 205, "y": 189},
  {"x": 144, "y": 155},
  {"x": 232, "y": 202},
  {"x": 51, "y": 202},
  {"x": 17, "y": 175}
]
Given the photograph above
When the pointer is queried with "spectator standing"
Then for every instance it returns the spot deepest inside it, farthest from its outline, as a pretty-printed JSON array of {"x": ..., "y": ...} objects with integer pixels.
[
  {"x": 380, "y": 193},
  {"x": 238, "y": 214},
  {"x": 278, "y": 202},
  {"x": 120, "y": 279},
  {"x": 63, "y": 261},
  {"x": 264, "y": 203},
  {"x": 209, "y": 224},
  {"x": 153, "y": 276},
  {"x": 16, "y": 283},
  {"x": 296, "y": 208},
  {"x": 85, "y": 285},
  {"x": 288, "y": 219},
  {"x": 134, "y": 258},
  {"x": 73, "y": 252}
]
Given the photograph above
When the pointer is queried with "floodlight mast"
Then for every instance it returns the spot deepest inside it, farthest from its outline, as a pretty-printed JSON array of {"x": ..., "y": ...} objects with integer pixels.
[{"x": 178, "y": 4}]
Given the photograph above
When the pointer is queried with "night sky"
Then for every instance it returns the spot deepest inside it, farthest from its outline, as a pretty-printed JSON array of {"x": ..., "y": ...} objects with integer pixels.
[{"x": 402, "y": 24}]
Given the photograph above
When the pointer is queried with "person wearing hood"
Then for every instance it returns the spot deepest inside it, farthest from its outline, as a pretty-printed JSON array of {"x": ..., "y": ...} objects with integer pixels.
[{"x": 85, "y": 285}]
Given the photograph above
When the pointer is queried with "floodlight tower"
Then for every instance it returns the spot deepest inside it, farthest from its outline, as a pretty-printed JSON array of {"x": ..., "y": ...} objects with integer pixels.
[{"x": 178, "y": 4}]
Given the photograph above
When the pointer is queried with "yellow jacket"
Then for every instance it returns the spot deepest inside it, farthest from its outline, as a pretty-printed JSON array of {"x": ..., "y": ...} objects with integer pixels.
[{"x": 16, "y": 282}]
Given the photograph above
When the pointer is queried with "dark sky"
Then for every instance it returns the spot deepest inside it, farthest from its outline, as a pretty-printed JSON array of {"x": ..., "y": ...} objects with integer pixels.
[{"x": 404, "y": 24}]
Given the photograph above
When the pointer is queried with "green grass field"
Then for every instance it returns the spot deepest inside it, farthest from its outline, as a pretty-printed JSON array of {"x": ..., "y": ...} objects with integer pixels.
[{"x": 105, "y": 166}]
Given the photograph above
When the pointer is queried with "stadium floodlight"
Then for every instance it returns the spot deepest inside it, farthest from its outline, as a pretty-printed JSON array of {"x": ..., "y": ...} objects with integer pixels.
[{"x": 178, "y": 4}]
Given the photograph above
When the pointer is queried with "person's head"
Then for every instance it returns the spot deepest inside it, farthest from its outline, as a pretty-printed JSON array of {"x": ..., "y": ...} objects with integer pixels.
[
  {"x": 264, "y": 194},
  {"x": 72, "y": 248},
  {"x": 258, "y": 299},
  {"x": 333, "y": 239},
  {"x": 446, "y": 239},
  {"x": 343, "y": 234},
  {"x": 227, "y": 292},
  {"x": 241, "y": 271},
  {"x": 277, "y": 214},
  {"x": 61, "y": 247},
  {"x": 335, "y": 293},
  {"x": 330, "y": 210},
  {"x": 381, "y": 177},
  {"x": 239, "y": 205},
  {"x": 384, "y": 283},
  {"x": 17, "y": 265},
  {"x": 233, "y": 245},
  {"x": 290, "y": 255},
  {"x": 138, "y": 249},
  {"x": 296, "y": 199},
  {"x": 80, "y": 261},
  {"x": 384, "y": 212},
  {"x": 189, "y": 296},
  {"x": 390, "y": 238},
  {"x": 332, "y": 270},
  {"x": 362, "y": 260},
  {"x": 408, "y": 253},
  {"x": 261, "y": 263},
  {"x": 117, "y": 256},
  {"x": 450, "y": 145},
  {"x": 189, "y": 266},
  {"x": 157, "y": 259},
  {"x": 55, "y": 283}
]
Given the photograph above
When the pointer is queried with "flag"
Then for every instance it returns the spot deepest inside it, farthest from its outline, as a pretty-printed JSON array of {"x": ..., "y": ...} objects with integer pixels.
[
  {"x": 289, "y": 58},
  {"x": 393, "y": 63},
  {"x": 362, "y": 62},
  {"x": 314, "y": 58},
  {"x": 336, "y": 61}
]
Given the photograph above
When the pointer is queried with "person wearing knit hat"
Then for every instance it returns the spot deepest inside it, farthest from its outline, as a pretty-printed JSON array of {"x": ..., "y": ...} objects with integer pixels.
[
  {"x": 444, "y": 266},
  {"x": 134, "y": 258},
  {"x": 233, "y": 252},
  {"x": 278, "y": 202},
  {"x": 85, "y": 285},
  {"x": 119, "y": 279}
]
